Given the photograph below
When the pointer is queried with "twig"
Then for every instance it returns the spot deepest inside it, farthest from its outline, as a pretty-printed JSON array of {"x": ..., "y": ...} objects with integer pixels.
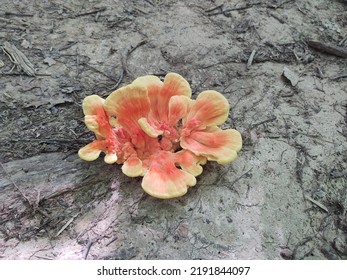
[
  {"x": 342, "y": 41},
  {"x": 290, "y": 235},
  {"x": 121, "y": 76},
  {"x": 315, "y": 136},
  {"x": 140, "y": 10},
  {"x": 69, "y": 45},
  {"x": 280, "y": 4},
  {"x": 329, "y": 49},
  {"x": 344, "y": 75},
  {"x": 247, "y": 6},
  {"x": 112, "y": 240},
  {"x": 86, "y": 252},
  {"x": 250, "y": 59},
  {"x": 128, "y": 53},
  {"x": 237, "y": 179},
  {"x": 66, "y": 225},
  {"x": 226, "y": 12},
  {"x": 44, "y": 258},
  {"x": 219, "y": 7},
  {"x": 77, "y": 63},
  {"x": 21, "y": 74},
  {"x": 317, "y": 203},
  {"x": 263, "y": 122},
  {"x": 92, "y": 12},
  {"x": 118, "y": 21},
  {"x": 134, "y": 48},
  {"x": 150, "y": 2},
  {"x": 100, "y": 72},
  {"x": 247, "y": 205},
  {"x": 18, "y": 15},
  {"x": 278, "y": 18}
]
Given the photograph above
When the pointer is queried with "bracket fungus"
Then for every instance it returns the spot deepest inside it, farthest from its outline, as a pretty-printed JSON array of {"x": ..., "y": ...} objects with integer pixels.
[{"x": 157, "y": 131}]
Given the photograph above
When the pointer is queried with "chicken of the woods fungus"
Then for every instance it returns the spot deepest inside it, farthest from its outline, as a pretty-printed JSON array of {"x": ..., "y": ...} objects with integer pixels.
[{"x": 157, "y": 131}]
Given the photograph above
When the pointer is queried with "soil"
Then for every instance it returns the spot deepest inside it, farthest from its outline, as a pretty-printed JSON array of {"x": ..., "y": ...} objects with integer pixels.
[{"x": 285, "y": 197}]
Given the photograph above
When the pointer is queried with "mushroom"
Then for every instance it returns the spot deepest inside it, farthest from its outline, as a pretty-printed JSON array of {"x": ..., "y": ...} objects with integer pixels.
[{"x": 157, "y": 131}]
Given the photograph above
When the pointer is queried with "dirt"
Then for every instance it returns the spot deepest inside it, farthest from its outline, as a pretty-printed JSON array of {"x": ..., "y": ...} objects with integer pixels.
[{"x": 285, "y": 197}]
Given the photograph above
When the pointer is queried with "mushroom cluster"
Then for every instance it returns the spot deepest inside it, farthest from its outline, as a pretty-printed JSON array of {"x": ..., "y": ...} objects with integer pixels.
[{"x": 157, "y": 131}]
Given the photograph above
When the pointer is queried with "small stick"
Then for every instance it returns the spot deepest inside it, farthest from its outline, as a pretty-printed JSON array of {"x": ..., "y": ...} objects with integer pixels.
[
  {"x": 121, "y": 76},
  {"x": 140, "y": 10},
  {"x": 250, "y": 59},
  {"x": 134, "y": 48},
  {"x": 100, "y": 72},
  {"x": 44, "y": 258},
  {"x": 278, "y": 18},
  {"x": 86, "y": 252},
  {"x": 247, "y": 6},
  {"x": 342, "y": 41},
  {"x": 280, "y": 4},
  {"x": 67, "y": 46},
  {"x": 113, "y": 240},
  {"x": 77, "y": 63},
  {"x": 333, "y": 50},
  {"x": 150, "y": 2},
  {"x": 344, "y": 75},
  {"x": 237, "y": 179},
  {"x": 263, "y": 122},
  {"x": 247, "y": 205},
  {"x": 66, "y": 225},
  {"x": 118, "y": 21},
  {"x": 320, "y": 73},
  {"x": 219, "y": 7},
  {"x": 317, "y": 203},
  {"x": 18, "y": 15},
  {"x": 127, "y": 55},
  {"x": 92, "y": 12}
]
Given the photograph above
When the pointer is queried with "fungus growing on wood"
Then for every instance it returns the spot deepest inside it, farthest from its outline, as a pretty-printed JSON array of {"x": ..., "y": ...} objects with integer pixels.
[{"x": 157, "y": 131}]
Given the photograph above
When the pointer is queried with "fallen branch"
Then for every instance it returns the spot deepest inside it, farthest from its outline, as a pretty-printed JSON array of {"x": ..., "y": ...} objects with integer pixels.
[{"x": 326, "y": 48}]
